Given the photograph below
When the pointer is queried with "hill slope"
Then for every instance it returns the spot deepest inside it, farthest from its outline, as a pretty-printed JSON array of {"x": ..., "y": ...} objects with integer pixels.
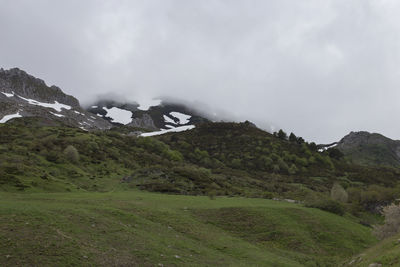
[
  {"x": 135, "y": 228},
  {"x": 370, "y": 149},
  {"x": 386, "y": 252}
]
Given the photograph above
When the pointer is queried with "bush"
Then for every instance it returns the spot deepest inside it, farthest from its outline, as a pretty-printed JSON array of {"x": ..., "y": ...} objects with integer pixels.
[
  {"x": 392, "y": 222},
  {"x": 327, "y": 205},
  {"x": 338, "y": 193},
  {"x": 293, "y": 169},
  {"x": 72, "y": 154}
]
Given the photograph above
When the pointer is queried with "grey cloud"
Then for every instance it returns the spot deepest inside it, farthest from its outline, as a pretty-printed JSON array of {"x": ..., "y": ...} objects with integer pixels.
[{"x": 317, "y": 68}]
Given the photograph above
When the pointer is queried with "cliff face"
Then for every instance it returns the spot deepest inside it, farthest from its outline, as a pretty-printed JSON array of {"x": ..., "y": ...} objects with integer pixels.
[
  {"x": 27, "y": 86},
  {"x": 22, "y": 95}
]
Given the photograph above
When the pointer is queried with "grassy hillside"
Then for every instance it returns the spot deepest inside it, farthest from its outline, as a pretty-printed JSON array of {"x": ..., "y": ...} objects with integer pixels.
[
  {"x": 148, "y": 229},
  {"x": 386, "y": 252},
  {"x": 213, "y": 159},
  {"x": 82, "y": 198}
]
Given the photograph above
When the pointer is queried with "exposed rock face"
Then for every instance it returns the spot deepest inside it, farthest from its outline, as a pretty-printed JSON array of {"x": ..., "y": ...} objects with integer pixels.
[
  {"x": 355, "y": 139},
  {"x": 27, "y": 96},
  {"x": 27, "y": 86},
  {"x": 370, "y": 149},
  {"x": 145, "y": 122}
]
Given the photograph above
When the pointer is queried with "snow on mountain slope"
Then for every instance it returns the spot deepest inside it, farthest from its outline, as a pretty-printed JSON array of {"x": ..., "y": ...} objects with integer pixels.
[
  {"x": 168, "y": 120},
  {"x": 164, "y": 131},
  {"x": 9, "y": 117},
  {"x": 119, "y": 115},
  {"x": 183, "y": 118},
  {"x": 22, "y": 95},
  {"x": 152, "y": 115},
  {"x": 147, "y": 104},
  {"x": 7, "y": 94},
  {"x": 56, "y": 106}
]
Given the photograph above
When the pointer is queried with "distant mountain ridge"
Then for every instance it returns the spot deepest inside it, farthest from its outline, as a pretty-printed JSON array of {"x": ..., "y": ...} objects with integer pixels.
[{"x": 366, "y": 148}]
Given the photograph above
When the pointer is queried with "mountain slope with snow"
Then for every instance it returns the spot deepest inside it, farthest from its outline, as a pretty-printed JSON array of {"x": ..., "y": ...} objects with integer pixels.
[
  {"x": 22, "y": 95},
  {"x": 153, "y": 115}
]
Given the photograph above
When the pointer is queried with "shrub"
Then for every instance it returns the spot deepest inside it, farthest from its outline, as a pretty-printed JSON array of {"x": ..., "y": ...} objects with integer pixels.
[
  {"x": 338, "y": 193},
  {"x": 293, "y": 169},
  {"x": 173, "y": 155},
  {"x": 71, "y": 153},
  {"x": 236, "y": 163},
  {"x": 327, "y": 205},
  {"x": 276, "y": 168},
  {"x": 392, "y": 222},
  {"x": 283, "y": 166}
]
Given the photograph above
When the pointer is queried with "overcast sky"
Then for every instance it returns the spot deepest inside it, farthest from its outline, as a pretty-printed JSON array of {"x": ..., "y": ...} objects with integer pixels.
[{"x": 318, "y": 68}]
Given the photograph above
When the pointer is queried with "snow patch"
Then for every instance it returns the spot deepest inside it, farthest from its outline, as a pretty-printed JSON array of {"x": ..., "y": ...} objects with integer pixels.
[
  {"x": 183, "y": 118},
  {"x": 119, "y": 115},
  {"x": 7, "y": 94},
  {"x": 168, "y": 120},
  {"x": 146, "y": 104},
  {"x": 9, "y": 117},
  {"x": 56, "y": 106},
  {"x": 177, "y": 129},
  {"x": 94, "y": 107},
  {"x": 80, "y": 113},
  {"x": 58, "y": 115}
]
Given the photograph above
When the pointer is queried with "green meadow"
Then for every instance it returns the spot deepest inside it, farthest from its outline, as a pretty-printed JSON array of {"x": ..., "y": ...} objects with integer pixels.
[{"x": 135, "y": 228}]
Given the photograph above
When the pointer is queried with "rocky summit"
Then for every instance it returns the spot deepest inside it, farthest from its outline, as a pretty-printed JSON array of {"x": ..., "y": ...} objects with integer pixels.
[
  {"x": 370, "y": 149},
  {"x": 22, "y": 95}
]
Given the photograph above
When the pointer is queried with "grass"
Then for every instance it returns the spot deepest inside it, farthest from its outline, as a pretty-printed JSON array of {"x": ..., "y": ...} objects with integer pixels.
[
  {"x": 386, "y": 252},
  {"x": 138, "y": 228}
]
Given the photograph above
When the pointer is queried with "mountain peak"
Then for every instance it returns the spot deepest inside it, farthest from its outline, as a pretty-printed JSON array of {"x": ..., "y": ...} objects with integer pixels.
[
  {"x": 23, "y": 95},
  {"x": 367, "y": 148}
]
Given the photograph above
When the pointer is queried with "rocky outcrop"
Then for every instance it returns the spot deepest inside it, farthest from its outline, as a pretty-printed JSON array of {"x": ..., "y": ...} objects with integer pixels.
[
  {"x": 16, "y": 81},
  {"x": 370, "y": 149},
  {"x": 145, "y": 122},
  {"x": 27, "y": 96}
]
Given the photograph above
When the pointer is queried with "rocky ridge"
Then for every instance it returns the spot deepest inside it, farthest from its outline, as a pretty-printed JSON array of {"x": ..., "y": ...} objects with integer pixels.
[
  {"x": 370, "y": 149},
  {"x": 22, "y": 95}
]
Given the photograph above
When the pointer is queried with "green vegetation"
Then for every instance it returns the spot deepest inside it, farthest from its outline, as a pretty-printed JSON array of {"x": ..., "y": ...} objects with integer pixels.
[
  {"x": 213, "y": 159},
  {"x": 147, "y": 229},
  {"x": 386, "y": 252},
  {"x": 84, "y": 198}
]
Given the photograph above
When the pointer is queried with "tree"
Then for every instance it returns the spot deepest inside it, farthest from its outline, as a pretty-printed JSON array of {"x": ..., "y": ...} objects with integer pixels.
[
  {"x": 236, "y": 163},
  {"x": 293, "y": 169},
  {"x": 338, "y": 193},
  {"x": 335, "y": 153},
  {"x": 300, "y": 140},
  {"x": 313, "y": 146},
  {"x": 392, "y": 222},
  {"x": 282, "y": 135},
  {"x": 72, "y": 154},
  {"x": 292, "y": 138}
]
